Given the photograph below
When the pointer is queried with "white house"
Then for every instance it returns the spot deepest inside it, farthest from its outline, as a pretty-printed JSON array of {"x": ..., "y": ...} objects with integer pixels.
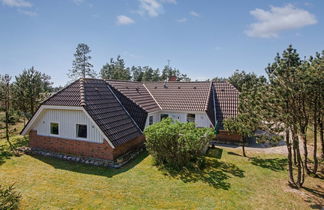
[{"x": 106, "y": 118}]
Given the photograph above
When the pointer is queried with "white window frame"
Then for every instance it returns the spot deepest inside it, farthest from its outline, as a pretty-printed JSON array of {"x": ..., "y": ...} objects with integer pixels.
[
  {"x": 163, "y": 114},
  {"x": 50, "y": 129},
  {"x": 149, "y": 120},
  {"x": 190, "y": 117},
  {"x": 76, "y": 132}
]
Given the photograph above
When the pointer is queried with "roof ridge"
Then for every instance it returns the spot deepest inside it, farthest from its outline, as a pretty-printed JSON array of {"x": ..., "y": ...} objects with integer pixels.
[
  {"x": 176, "y": 82},
  {"x": 82, "y": 94},
  {"x": 115, "y": 80},
  {"x": 152, "y": 96}
]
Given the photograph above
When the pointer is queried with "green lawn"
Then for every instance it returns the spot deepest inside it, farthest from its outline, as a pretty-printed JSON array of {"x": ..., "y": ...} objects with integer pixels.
[{"x": 232, "y": 182}]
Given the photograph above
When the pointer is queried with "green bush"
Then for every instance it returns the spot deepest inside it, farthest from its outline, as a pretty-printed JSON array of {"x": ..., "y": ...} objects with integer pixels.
[
  {"x": 9, "y": 198},
  {"x": 176, "y": 144}
]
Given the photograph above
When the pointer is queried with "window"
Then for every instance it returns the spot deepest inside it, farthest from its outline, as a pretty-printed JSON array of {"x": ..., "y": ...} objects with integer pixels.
[
  {"x": 163, "y": 116},
  {"x": 54, "y": 128},
  {"x": 81, "y": 131},
  {"x": 150, "y": 120},
  {"x": 191, "y": 118}
]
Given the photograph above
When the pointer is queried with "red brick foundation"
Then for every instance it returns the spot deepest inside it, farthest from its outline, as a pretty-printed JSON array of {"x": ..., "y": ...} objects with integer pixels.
[{"x": 82, "y": 148}]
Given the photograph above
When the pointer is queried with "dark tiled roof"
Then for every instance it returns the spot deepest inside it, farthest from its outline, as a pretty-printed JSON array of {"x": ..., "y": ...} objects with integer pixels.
[
  {"x": 227, "y": 99},
  {"x": 181, "y": 96},
  {"x": 136, "y": 92},
  {"x": 104, "y": 108},
  {"x": 68, "y": 96},
  {"x": 108, "y": 113},
  {"x": 132, "y": 95},
  {"x": 120, "y": 108}
]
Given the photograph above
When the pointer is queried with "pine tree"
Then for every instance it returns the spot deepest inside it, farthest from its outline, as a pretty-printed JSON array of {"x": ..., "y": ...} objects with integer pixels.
[
  {"x": 5, "y": 96},
  {"x": 115, "y": 70},
  {"x": 282, "y": 107},
  {"x": 27, "y": 90},
  {"x": 81, "y": 67}
]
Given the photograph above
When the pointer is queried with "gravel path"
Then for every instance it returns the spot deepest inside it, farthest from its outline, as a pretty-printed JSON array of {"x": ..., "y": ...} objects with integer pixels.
[
  {"x": 258, "y": 148},
  {"x": 281, "y": 149}
]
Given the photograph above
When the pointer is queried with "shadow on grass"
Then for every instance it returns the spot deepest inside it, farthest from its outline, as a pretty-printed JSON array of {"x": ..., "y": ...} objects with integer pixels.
[
  {"x": 317, "y": 193},
  {"x": 6, "y": 153},
  {"x": 215, "y": 173},
  {"x": 318, "y": 196},
  {"x": 89, "y": 169},
  {"x": 275, "y": 164},
  {"x": 233, "y": 153}
]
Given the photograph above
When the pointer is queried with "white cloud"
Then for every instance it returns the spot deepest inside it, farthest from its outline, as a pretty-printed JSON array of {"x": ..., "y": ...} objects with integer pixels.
[
  {"x": 124, "y": 20},
  {"x": 16, "y": 3},
  {"x": 169, "y": 1},
  {"x": 270, "y": 23},
  {"x": 195, "y": 14},
  {"x": 150, "y": 7},
  {"x": 28, "y": 13},
  {"x": 182, "y": 20}
]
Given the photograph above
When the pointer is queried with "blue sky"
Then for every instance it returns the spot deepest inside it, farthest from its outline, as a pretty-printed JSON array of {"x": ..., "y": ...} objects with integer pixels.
[{"x": 202, "y": 38}]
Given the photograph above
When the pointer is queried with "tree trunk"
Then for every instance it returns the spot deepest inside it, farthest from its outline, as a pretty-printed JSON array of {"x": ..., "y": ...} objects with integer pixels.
[
  {"x": 243, "y": 147},
  {"x": 300, "y": 166},
  {"x": 321, "y": 137},
  {"x": 31, "y": 106},
  {"x": 295, "y": 154},
  {"x": 7, "y": 117},
  {"x": 290, "y": 163},
  {"x": 315, "y": 146},
  {"x": 7, "y": 130},
  {"x": 304, "y": 139}
]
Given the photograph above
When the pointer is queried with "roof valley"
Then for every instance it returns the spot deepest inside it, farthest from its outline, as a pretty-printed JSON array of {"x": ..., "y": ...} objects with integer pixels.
[{"x": 123, "y": 106}]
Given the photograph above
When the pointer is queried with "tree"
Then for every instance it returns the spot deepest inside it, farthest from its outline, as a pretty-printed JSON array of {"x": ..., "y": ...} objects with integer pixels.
[
  {"x": 168, "y": 71},
  {"x": 27, "y": 90},
  {"x": 315, "y": 100},
  {"x": 5, "y": 96},
  {"x": 219, "y": 79},
  {"x": 248, "y": 119},
  {"x": 281, "y": 107},
  {"x": 241, "y": 126},
  {"x": 240, "y": 78},
  {"x": 148, "y": 73},
  {"x": 116, "y": 70},
  {"x": 156, "y": 75},
  {"x": 81, "y": 67},
  {"x": 137, "y": 73}
]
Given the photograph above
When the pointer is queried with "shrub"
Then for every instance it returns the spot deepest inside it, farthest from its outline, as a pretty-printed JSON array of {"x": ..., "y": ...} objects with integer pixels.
[
  {"x": 176, "y": 144},
  {"x": 9, "y": 198}
]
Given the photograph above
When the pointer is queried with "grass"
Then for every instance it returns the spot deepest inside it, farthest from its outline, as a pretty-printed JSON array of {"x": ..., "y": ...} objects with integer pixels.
[{"x": 231, "y": 182}]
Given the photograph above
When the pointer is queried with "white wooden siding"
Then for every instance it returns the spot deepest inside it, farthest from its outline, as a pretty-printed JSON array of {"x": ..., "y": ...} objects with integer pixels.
[
  {"x": 156, "y": 118},
  {"x": 201, "y": 118},
  {"x": 67, "y": 120}
]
